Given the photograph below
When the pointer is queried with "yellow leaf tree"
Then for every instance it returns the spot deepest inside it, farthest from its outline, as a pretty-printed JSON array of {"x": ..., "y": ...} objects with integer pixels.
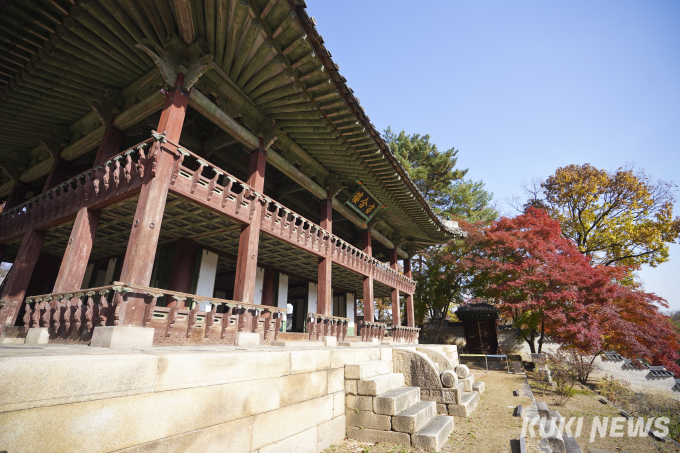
[{"x": 621, "y": 218}]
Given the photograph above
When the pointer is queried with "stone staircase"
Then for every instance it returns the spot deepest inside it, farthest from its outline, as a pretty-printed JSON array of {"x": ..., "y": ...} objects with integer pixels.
[{"x": 381, "y": 408}]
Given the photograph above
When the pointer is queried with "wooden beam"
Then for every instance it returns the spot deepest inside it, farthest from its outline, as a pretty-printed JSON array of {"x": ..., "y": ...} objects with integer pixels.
[{"x": 185, "y": 22}]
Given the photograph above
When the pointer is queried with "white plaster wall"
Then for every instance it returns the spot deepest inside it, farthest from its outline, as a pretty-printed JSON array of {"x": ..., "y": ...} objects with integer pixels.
[
  {"x": 259, "y": 284},
  {"x": 282, "y": 301},
  {"x": 312, "y": 298},
  {"x": 350, "y": 310},
  {"x": 206, "y": 277}
]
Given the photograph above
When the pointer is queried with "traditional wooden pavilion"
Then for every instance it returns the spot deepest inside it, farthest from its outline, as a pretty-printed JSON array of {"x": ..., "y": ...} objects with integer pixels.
[{"x": 197, "y": 166}]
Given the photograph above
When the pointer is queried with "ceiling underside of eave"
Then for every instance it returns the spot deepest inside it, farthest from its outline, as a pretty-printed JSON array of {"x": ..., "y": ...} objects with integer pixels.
[{"x": 58, "y": 60}]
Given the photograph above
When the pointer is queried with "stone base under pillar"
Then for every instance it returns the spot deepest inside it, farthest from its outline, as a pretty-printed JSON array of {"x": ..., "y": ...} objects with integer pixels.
[
  {"x": 122, "y": 337},
  {"x": 329, "y": 340},
  {"x": 37, "y": 335},
  {"x": 247, "y": 339}
]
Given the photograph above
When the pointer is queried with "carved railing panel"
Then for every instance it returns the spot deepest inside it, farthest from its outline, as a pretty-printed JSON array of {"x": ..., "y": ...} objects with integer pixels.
[
  {"x": 372, "y": 330},
  {"x": 72, "y": 317},
  {"x": 402, "y": 334},
  {"x": 319, "y": 326},
  {"x": 117, "y": 178}
]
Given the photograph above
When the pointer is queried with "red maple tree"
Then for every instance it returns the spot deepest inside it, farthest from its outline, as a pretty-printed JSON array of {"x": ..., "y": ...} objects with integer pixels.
[{"x": 550, "y": 289}]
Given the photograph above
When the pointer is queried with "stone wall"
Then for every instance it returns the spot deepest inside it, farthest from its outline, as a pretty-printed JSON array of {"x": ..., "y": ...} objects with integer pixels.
[
  {"x": 262, "y": 400},
  {"x": 639, "y": 380}
]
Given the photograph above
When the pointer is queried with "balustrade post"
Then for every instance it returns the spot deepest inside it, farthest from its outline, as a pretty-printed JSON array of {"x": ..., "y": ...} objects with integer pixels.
[{"x": 246, "y": 264}]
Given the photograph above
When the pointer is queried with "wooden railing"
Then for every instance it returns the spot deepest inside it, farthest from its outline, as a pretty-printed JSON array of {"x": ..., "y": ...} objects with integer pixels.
[
  {"x": 408, "y": 334},
  {"x": 319, "y": 326},
  {"x": 71, "y": 317},
  {"x": 372, "y": 330},
  {"x": 93, "y": 188},
  {"x": 210, "y": 186}
]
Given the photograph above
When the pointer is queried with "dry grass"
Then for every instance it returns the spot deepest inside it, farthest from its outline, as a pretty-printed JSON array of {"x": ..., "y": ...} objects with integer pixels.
[{"x": 489, "y": 429}]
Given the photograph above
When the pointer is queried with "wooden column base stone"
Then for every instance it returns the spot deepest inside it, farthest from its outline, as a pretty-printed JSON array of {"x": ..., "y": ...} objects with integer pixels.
[
  {"x": 37, "y": 335},
  {"x": 115, "y": 337},
  {"x": 330, "y": 341},
  {"x": 247, "y": 339}
]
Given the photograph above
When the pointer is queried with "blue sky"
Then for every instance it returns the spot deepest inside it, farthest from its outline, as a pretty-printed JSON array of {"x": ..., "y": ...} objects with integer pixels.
[{"x": 522, "y": 88}]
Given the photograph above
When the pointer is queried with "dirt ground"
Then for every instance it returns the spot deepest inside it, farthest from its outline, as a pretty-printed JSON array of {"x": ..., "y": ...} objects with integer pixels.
[
  {"x": 491, "y": 428},
  {"x": 586, "y": 404}
]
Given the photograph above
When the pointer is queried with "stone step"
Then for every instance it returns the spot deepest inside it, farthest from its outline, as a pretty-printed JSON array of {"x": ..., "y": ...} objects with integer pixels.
[
  {"x": 367, "y": 419},
  {"x": 478, "y": 387},
  {"x": 378, "y": 385},
  {"x": 570, "y": 444},
  {"x": 395, "y": 401},
  {"x": 367, "y": 369},
  {"x": 411, "y": 420},
  {"x": 375, "y": 436},
  {"x": 434, "y": 435},
  {"x": 468, "y": 403},
  {"x": 467, "y": 382}
]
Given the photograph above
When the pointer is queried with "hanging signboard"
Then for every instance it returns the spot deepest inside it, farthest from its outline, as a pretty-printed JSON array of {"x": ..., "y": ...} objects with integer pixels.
[{"x": 364, "y": 202}]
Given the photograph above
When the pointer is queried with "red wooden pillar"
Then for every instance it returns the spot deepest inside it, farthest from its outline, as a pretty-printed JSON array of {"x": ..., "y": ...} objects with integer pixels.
[
  {"x": 17, "y": 195},
  {"x": 368, "y": 280},
  {"x": 20, "y": 276},
  {"x": 268, "y": 289},
  {"x": 183, "y": 266},
  {"x": 110, "y": 146},
  {"x": 396, "y": 317},
  {"x": 324, "y": 291},
  {"x": 57, "y": 174},
  {"x": 249, "y": 241},
  {"x": 146, "y": 226},
  {"x": 77, "y": 254},
  {"x": 410, "y": 319},
  {"x": 79, "y": 247}
]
